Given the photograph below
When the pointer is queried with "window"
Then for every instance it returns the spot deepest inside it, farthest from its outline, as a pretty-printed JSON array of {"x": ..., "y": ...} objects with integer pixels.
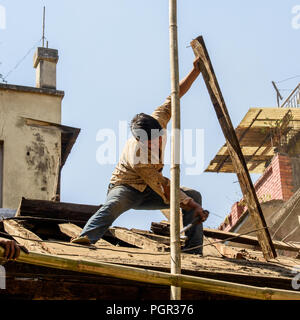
[{"x": 1, "y": 172}]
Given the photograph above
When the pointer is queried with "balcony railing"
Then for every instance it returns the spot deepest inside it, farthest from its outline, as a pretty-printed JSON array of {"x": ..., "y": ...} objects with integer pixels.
[{"x": 293, "y": 100}]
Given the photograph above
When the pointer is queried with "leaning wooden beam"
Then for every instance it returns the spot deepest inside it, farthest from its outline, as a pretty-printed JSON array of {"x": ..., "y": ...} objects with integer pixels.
[
  {"x": 234, "y": 149},
  {"x": 240, "y": 139},
  {"x": 73, "y": 231},
  {"x": 25, "y": 237},
  {"x": 157, "y": 277},
  {"x": 137, "y": 240}
]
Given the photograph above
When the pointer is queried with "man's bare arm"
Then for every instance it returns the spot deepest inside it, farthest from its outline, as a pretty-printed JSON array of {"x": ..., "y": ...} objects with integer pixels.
[
  {"x": 163, "y": 112},
  {"x": 187, "y": 82}
]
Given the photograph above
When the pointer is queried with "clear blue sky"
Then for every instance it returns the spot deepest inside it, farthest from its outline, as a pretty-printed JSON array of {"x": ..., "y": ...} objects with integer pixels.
[{"x": 114, "y": 63}]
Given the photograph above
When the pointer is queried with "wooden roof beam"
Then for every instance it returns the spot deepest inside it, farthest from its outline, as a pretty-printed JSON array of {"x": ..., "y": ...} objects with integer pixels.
[
  {"x": 25, "y": 237},
  {"x": 138, "y": 240},
  {"x": 73, "y": 231}
]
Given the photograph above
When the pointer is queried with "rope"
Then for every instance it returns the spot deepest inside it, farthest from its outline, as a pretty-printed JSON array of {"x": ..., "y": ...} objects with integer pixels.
[{"x": 222, "y": 255}]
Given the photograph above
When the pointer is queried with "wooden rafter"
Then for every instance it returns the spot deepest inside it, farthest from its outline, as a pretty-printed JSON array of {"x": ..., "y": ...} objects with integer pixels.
[
  {"x": 137, "y": 239},
  {"x": 25, "y": 237},
  {"x": 73, "y": 231}
]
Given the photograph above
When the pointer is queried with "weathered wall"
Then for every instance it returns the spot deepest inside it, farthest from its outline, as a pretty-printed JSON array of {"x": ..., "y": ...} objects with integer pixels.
[
  {"x": 246, "y": 224},
  {"x": 31, "y": 154},
  {"x": 268, "y": 208}
]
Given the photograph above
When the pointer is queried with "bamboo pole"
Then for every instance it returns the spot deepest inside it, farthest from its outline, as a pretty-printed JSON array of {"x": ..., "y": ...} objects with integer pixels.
[
  {"x": 156, "y": 277},
  {"x": 175, "y": 293}
]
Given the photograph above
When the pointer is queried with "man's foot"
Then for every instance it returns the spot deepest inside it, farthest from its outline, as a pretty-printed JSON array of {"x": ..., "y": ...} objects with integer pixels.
[
  {"x": 193, "y": 252},
  {"x": 84, "y": 240}
]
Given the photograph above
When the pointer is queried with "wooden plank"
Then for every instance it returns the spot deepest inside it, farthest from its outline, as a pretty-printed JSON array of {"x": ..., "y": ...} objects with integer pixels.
[
  {"x": 74, "y": 231},
  {"x": 231, "y": 236},
  {"x": 70, "y": 229},
  {"x": 45, "y": 220},
  {"x": 56, "y": 210},
  {"x": 245, "y": 239},
  {"x": 234, "y": 149},
  {"x": 160, "y": 228},
  {"x": 137, "y": 240},
  {"x": 25, "y": 237}
]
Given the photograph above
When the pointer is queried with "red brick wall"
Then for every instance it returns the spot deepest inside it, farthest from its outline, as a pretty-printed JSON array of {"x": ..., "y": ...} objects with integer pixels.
[{"x": 275, "y": 183}]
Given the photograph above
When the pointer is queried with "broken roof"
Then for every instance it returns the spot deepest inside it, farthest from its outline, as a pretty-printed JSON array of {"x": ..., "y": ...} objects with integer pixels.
[{"x": 47, "y": 237}]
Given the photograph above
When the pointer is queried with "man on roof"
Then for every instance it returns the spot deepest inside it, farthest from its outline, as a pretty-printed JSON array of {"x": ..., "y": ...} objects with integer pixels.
[{"x": 137, "y": 181}]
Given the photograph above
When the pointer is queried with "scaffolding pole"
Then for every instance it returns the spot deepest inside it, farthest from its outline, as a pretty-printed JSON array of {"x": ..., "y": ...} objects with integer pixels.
[{"x": 175, "y": 292}]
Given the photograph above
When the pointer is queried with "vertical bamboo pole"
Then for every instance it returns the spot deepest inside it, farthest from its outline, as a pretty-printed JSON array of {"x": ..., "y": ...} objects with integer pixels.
[{"x": 175, "y": 150}]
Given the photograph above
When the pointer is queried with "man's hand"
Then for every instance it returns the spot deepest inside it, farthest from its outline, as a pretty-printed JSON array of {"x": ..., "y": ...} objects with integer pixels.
[
  {"x": 12, "y": 249},
  {"x": 198, "y": 210},
  {"x": 196, "y": 64}
]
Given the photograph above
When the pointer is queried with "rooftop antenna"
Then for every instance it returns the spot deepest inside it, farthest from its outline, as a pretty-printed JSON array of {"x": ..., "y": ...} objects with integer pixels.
[
  {"x": 44, "y": 18},
  {"x": 277, "y": 93}
]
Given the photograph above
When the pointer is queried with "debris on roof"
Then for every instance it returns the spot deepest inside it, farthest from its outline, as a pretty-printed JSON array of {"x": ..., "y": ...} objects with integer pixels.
[{"x": 48, "y": 239}]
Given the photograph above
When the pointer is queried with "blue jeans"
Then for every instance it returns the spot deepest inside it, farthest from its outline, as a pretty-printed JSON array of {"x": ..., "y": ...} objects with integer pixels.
[{"x": 121, "y": 198}]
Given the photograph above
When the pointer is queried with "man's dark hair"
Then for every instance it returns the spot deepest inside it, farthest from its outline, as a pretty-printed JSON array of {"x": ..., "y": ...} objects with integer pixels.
[{"x": 141, "y": 126}]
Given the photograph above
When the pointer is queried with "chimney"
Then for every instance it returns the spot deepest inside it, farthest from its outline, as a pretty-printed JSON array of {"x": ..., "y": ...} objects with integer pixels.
[{"x": 45, "y": 61}]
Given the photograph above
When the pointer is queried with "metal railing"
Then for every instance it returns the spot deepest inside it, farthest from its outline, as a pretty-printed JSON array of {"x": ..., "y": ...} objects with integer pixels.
[{"x": 293, "y": 100}]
